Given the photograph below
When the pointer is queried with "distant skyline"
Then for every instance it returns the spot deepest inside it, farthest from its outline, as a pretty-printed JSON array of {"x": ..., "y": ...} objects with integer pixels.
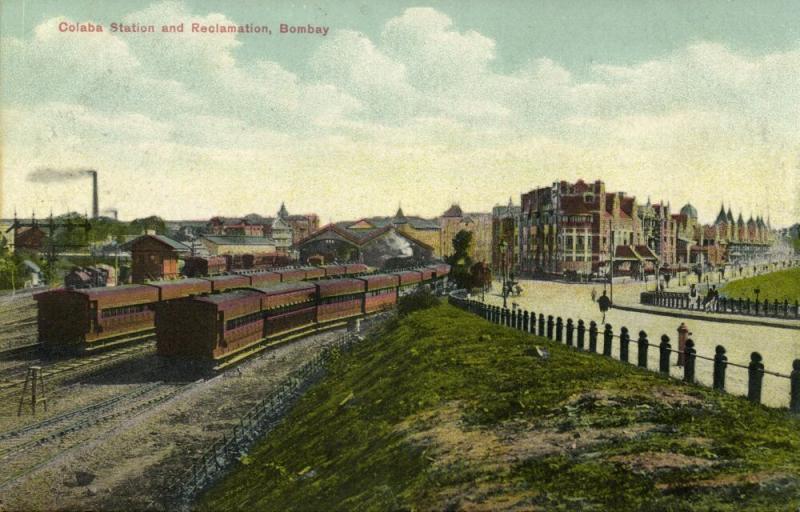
[{"x": 468, "y": 102}]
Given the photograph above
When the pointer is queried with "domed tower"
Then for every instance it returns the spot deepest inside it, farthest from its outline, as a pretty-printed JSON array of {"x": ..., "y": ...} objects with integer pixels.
[{"x": 689, "y": 211}]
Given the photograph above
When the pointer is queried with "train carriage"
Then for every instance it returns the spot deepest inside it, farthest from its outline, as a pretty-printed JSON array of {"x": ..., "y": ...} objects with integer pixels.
[
  {"x": 314, "y": 273},
  {"x": 289, "y": 307},
  {"x": 196, "y": 266},
  {"x": 264, "y": 278},
  {"x": 352, "y": 269},
  {"x": 427, "y": 274},
  {"x": 380, "y": 292},
  {"x": 229, "y": 282},
  {"x": 210, "y": 326},
  {"x": 339, "y": 298},
  {"x": 169, "y": 290},
  {"x": 334, "y": 270},
  {"x": 409, "y": 281},
  {"x": 93, "y": 317},
  {"x": 291, "y": 275}
]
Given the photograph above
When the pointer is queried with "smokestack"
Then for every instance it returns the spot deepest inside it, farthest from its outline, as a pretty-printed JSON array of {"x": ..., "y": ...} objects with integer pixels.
[{"x": 95, "y": 201}]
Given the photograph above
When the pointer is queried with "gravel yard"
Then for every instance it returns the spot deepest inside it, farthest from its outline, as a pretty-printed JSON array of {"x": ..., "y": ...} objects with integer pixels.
[{"x": 128, "y": 462}]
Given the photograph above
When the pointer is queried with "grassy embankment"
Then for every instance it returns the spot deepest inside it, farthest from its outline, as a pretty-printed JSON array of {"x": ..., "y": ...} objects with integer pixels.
[
  {"x": 444, "y": 411},
  {"x": 781, "y": 285}
]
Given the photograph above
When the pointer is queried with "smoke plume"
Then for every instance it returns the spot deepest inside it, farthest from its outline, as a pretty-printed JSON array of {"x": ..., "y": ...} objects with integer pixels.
[{"x": 46, "y": 175}]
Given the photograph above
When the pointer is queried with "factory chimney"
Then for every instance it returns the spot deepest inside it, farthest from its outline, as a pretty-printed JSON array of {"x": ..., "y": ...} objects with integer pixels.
[{"x": 95, "y": 201}]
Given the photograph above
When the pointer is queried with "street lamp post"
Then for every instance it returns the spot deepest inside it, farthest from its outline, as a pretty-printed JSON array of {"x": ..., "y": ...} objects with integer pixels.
[{"x": 503, "y": 245}]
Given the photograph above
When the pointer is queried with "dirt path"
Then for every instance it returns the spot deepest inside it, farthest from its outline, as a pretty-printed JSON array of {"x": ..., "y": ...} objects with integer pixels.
[{"x": 129, "y": 464}]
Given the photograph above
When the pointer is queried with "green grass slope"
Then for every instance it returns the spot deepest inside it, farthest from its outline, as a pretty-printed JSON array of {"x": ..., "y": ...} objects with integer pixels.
[
  {"x": 444, "y": 411},
  {"x": 781, "y": 285}
]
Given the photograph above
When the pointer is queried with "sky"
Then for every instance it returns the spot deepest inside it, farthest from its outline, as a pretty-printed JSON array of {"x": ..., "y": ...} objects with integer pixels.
[{"x": 419, "y": 105}]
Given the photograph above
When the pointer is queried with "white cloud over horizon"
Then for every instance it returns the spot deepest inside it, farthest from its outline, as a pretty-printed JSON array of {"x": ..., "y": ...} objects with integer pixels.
[{"x": 182, "y": 126}]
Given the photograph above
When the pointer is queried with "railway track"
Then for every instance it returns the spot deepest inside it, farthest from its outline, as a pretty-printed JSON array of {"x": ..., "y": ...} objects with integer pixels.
[
  {"x": 19, "y": 350},
  {"x": 16, "y": 324},
  {"x": 62, "y": 424},
  {"x": 15, "y": 377},
  {"x": 134, "y": 403}
]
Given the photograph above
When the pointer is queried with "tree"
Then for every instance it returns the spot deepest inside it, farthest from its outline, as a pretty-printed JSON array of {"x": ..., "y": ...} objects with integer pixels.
[
  {"x": 460, "y": 261},
  {"x": 9, "y": 269},
  {"x": 153, "y": 222}
]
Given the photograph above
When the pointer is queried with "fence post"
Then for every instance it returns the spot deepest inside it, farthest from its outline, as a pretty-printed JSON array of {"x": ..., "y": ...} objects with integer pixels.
[
  {"x": 641, "y": 353},
  {"x": 592, "y": 336},
  {"x": 508, "y": 317},
  {"x": 664, "y": 350},
  {"x": 683, "y": 335},
  {"x": 624, "y": 340},
  {"x": 794, "y": 402},
  {"x": 559, "y": 330},
  {"x": 581, "y": 334},
  {"x": 608, "y": 339},
  {"x": 514, "y": 319},
  {"x": 720, "y": 364},
  {"x": 755, "y": 377},
  {"x": 525, "y": 317},
  {"x": 570, "y": 331},
  {"x": 688, "y": 361},
  {"x": 541, "y": 325},
  {"x": 550, "y": 324}
]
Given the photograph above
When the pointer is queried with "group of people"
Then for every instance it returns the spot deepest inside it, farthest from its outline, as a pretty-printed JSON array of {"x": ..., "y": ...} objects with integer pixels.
[{"x": 707, "y": 303}]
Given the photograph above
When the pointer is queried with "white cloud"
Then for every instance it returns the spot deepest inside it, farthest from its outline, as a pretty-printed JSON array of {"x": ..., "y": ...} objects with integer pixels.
[{"x": 419, "y": 104}]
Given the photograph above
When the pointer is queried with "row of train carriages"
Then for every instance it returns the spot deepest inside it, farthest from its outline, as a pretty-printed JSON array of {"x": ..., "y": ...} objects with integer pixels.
[
  {"x": 224, "y": 318},
  {"x": 202, "y": 266}
]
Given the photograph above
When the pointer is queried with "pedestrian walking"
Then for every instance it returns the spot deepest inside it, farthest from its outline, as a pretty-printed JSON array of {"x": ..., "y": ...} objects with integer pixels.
[
  {"x": 594, "y": 294},
  {"x": 604, "y": 302}
]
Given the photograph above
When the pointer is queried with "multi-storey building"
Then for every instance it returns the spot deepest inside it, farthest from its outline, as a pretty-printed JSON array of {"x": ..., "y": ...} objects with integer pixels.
[
  {"x": 574, "y": 227},
  {"x": 505, "y": 228}
]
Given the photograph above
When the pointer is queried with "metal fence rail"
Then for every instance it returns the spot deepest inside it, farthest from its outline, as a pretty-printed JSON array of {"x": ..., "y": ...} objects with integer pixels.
[
  {"x": 591, "y": 338},
  {"x": 682, "y": 300},
  {"x": 260, "y": 419}
]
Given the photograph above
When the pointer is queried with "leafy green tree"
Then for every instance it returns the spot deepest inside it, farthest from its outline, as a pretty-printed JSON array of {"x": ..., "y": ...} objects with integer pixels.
[
  {"x": 138, "y": 226},
  {"x": 8, "y": 272}
]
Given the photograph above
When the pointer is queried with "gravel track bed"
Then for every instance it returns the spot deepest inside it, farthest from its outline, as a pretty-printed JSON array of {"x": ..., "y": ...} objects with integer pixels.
[{"x": 129, "y": 465}]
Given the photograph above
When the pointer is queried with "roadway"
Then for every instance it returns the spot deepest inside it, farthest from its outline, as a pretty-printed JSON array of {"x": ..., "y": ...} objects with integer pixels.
[{"x": 778, "y": 346}]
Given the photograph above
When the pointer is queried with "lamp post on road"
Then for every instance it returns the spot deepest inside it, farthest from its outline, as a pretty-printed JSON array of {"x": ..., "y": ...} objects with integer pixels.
[{"x": 503, "y": 246}]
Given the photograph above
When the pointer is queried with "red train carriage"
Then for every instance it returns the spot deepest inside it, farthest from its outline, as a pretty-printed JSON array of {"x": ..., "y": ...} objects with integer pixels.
[
  {"x": 314, "y": 273},
  {"x": 355, "y": 268},
  {"x": 381, "y": 291},
  {"x": 195, "y": 266},
  {"x": 339, "y": 298},
  {"x": 291, "y": 275},
  {"x": 334, "y": 270},
  {"x": 289, "y": 307},
  {"x": 223, "y": 283},
  {"x": 169, "y": 290},
  {"x": 86, "y": 319},
  {"x": 427, "y": 274},
  {"x": 409, "y": 281},
  {"x": 442, "y": 270},
  {"x": 265, "y": 278},
  {"x": 210, "y": 326}
]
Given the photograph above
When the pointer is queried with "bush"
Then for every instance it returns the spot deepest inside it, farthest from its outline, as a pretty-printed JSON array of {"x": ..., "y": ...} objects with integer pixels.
[{"x": 420, "y": 299}]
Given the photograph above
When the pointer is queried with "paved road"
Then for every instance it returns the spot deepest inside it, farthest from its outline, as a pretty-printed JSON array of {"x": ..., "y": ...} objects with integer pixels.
[{"x": 778, "y": 346}]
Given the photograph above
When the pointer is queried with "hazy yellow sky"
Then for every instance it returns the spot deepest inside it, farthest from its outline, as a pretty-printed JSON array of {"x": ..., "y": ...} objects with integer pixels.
[{"x": 420, "y": 106}]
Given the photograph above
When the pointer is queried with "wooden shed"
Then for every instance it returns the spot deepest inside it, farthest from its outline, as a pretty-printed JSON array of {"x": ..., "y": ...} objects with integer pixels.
[{"x": 155, "y": 257}]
